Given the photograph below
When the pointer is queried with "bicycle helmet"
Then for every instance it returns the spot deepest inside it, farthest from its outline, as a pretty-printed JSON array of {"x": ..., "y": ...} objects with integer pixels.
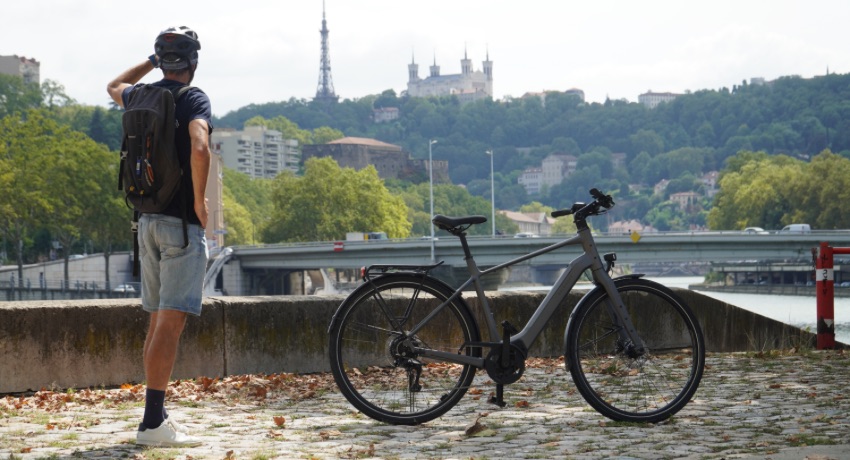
[{"x": 177, "y": 48}]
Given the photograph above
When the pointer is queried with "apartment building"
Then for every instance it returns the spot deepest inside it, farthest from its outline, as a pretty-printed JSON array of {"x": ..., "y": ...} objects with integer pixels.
[
  {"x": 556, "y": 167},
  {"x": 531, "y": 179},
  {"x": 26, "y": 68},
  {"x": 256, "y": 151}
]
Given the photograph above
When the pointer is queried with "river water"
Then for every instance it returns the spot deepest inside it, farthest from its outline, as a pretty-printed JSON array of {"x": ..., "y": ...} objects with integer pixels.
[{"x": 800, "y": 311}]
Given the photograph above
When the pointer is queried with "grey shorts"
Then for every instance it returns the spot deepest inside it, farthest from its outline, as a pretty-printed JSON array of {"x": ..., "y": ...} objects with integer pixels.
[{"x": 172, "y": 276}]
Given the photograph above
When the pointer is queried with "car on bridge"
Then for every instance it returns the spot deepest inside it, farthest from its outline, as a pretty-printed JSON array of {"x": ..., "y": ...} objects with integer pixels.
[{"x": 755, "y": 231}]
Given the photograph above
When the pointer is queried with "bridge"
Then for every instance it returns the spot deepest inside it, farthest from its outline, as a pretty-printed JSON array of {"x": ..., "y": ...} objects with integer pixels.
[{"x": 266, "y": 269}]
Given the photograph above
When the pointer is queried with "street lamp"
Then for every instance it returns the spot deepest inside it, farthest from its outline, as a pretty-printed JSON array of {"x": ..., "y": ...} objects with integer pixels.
[
  {"x": 431, "y": 186},
  {"x": 492, "y": 191}
]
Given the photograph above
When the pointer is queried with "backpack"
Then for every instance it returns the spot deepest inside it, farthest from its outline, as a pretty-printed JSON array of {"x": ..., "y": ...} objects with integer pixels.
[{"x": 150, "y": 174}]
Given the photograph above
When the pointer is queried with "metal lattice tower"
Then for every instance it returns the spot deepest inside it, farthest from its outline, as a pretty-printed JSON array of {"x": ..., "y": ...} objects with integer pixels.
[{"x": 325, "y": 91}]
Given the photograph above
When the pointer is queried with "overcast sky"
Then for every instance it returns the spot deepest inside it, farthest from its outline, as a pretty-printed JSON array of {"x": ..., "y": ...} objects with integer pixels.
[{"x": 264, "y": 51}]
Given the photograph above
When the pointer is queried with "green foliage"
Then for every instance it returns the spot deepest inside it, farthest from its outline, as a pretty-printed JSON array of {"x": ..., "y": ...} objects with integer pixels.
[
  {"x": 693, "y": 134},
  {"x": 774, "y": 191},
  {"x": 17, "y": 96},
  {"x": 56, "y": 178},
  {"x": 323, "y": 135},
  {"x": 329, "y": 201},
  {"x": 449, "y": 200},
  {"x": 247, "y": 207}
]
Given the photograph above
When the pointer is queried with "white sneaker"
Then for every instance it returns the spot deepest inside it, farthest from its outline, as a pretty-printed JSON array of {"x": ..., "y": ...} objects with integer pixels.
[
  {"x": 166, "y": 435},
  {"x": 177, "y": 426}
]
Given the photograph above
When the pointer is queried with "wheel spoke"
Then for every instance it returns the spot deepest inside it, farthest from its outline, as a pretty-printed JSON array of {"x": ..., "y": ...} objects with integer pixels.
[
  {"x": 378, "y": 365},
  {"x": 624, "y": 385}
]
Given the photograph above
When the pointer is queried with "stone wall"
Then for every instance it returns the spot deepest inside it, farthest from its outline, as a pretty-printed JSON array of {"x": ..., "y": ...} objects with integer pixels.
[{"x": 93, "y": 343}]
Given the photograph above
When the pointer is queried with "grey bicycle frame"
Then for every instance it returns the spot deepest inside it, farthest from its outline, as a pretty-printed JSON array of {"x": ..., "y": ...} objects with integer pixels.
[{"x": 588, "y": 260}]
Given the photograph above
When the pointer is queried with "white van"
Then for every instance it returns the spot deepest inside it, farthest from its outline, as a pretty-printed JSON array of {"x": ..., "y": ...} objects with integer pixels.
[{"x": 796, "y": 228}]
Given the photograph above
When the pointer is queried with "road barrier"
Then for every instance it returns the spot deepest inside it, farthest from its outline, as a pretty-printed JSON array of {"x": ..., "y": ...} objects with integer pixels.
[{"x": 825, "y": 289}]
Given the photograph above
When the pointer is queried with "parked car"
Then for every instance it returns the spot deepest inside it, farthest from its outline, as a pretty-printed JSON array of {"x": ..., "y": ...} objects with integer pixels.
[
  {"x": 755, "y": 231},
  {"x": 796, "y": 228},
  {"x": 125, "y": 288},
  {"x": 525, "y": 235}
]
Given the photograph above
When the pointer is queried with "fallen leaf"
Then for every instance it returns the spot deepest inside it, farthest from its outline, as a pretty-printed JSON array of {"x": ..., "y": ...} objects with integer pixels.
[
  {"x": 279, "y": 420},
  {"x": 325, "y": 435},
  {"x": 521, "y": 404},
  {"x": 475, "y": 428}
]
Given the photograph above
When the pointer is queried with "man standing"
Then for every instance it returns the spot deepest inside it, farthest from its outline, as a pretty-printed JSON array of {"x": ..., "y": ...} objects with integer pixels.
[{"x": 172, "y": 272}]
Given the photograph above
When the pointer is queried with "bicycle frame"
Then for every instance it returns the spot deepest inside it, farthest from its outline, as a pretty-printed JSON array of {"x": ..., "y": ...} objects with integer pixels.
[{"x": 588, "y": 260}]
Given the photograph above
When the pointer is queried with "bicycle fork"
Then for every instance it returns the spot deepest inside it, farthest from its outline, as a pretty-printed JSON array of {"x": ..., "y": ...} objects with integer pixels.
[{"x": 629, "y": 338}]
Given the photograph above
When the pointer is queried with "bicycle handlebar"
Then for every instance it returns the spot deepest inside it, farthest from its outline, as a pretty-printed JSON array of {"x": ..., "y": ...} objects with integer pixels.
[{"x": 581, "y": 210}]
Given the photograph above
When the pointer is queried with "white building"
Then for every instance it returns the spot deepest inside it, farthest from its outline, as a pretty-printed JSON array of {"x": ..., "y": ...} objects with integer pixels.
[
  {"x": 652, "y": 100},
  {"x": 385, "y": 114},
  {"x": 538, "y": 223},
  {"x": 556, "y": 167},
  {"x": 531, "y": 179},
  {"x": 469, "y": 85},
  {"x": 26, "y": 68},
  {"x": 257, "y": 151}
]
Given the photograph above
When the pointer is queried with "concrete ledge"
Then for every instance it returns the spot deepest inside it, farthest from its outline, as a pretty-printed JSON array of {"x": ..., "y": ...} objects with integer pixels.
[{"x": 90, "y": 343}]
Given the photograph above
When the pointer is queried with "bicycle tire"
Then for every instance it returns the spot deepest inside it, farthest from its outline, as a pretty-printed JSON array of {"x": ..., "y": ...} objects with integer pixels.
[
  {"x": 620, "y": 385},
  {"x": 373, "y": 367}
]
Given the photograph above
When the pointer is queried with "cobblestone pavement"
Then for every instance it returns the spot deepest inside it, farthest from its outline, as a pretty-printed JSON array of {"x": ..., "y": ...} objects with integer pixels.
[{"x": 778, "y": 405}]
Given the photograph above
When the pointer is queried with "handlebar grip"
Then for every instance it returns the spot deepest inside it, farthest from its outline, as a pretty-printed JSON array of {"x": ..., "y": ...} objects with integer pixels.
[
  {"x": 561, "y": 213},
  {"x": 604, "y": 200}
]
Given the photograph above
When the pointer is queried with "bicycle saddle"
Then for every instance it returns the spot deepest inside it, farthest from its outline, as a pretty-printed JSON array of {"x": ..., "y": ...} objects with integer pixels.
[{"x": 449, "y": 223}]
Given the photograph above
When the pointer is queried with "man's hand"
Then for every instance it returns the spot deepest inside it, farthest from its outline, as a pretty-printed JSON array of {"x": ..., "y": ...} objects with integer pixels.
[
  {"x": 202, "y": 211},
  {"x": 129, "y": 77}
]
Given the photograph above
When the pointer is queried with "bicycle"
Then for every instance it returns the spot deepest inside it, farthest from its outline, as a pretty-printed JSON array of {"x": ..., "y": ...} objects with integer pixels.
[{"x": 404, "y": 346}]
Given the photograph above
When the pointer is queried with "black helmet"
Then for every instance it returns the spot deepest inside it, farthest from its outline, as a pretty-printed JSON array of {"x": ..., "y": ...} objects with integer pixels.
[{"x": 177, "y": 48}]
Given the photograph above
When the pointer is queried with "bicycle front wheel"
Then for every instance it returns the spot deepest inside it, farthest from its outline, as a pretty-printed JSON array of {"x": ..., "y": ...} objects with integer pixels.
[
  {"x": 376, "y": 361},
  {"x": 626, "y": 384}
]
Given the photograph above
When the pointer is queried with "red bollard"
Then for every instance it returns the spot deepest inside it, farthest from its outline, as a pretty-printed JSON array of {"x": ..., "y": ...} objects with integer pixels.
[{"x": 825, "y": 279}]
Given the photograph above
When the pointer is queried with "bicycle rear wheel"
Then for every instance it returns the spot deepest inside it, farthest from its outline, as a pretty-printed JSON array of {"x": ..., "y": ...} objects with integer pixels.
[
  {"x": 618, "y": 381},
  {"x": 373, "y": 356}
]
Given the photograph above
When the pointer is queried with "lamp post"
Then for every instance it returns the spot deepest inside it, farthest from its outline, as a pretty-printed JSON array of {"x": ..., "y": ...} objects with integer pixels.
[
  {"x": 492, "y": 191},
  {"x": 431, "y": 186}
]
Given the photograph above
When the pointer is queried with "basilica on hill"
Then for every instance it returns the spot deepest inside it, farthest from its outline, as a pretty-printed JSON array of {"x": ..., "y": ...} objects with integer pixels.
[{"x": 469, "y": 85}]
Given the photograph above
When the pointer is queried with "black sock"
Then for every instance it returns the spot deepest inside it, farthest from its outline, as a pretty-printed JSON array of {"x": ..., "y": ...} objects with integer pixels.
[{"x": 154, "y": 402}]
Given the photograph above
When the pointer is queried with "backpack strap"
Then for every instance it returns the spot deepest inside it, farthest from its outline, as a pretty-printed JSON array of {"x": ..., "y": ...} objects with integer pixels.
[
  {"x": 183, "y": 205},
  {"x": 137, "y": 264}
]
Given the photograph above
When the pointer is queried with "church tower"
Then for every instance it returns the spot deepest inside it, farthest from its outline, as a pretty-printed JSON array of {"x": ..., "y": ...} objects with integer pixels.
[
  {"x": 488, "y": 74},
  {"x": 435, "y": 69},
  {"x": 465, "y": 64},
  {"x": 412, "y": 70},
  {"x": 325, "y": 91}
]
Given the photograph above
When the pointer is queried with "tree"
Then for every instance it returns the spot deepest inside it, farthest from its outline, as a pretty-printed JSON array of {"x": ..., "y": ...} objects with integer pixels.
[
  {"x": 82, "y": 183},
  {"x": 247, "y": 207},
  {"x": 757, "y": 191},
  {"x": 288, "y": 129},
  {"x": 323, "y": 135},
  {"x": 17, "y": 96},
  {"x": 329, "y": 201},
  {"x": 24, "y": 178}
]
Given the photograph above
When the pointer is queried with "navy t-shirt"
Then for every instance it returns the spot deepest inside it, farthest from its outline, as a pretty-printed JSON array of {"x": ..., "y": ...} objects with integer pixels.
[{"x": 193, "y": 104}]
